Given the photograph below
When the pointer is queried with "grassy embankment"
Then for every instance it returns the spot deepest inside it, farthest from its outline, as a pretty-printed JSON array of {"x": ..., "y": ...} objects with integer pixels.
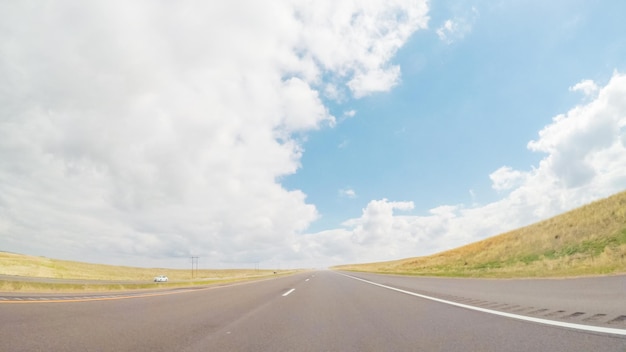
[
  {"x": 126, "y": 278},
  {"x": 590, "y": 240}
]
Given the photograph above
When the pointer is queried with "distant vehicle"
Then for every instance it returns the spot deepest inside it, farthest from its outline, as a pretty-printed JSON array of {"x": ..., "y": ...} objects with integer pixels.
[{"x": 160, "y": 278}]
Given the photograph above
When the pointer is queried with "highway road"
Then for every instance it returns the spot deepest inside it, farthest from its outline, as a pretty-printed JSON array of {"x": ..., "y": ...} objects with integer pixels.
[{"x": 329, "y": 311}]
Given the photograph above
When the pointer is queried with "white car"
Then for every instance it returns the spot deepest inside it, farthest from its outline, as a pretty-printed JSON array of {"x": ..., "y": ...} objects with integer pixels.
[{"x": 160, "y": 278}]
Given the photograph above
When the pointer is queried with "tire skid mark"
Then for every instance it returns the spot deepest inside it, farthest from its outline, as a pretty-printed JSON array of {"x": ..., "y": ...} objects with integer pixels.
[
  {"x": 619, "y": 320},
  {"x": 595, "y": 317},
  {"x": 600, "y": 319}
]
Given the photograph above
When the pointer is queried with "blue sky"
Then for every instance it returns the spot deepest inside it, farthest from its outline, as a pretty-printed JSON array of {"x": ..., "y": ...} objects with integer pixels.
[
  {"x": 464, "y": 107},
  {"x": 293, "y": 134}
]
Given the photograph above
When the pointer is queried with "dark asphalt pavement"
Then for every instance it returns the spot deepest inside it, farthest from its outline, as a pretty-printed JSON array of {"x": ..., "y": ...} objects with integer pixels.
[{"x": 315, "y": 311}]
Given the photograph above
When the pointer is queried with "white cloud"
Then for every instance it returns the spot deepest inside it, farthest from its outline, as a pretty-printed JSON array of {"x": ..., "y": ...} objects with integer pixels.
[
  {"x": 377, "y": 235},
  {"x": 577, "y": 141},
  {"x": 506, "y": 178},
  {"x": 370, "y": 35},
  {"x": 346, "y": 115},
  {"x": 158, "y": 129},
  {"x": 142, "y": 131},
  {"x": 349, "y": 113},
  {"x": 347, "y": 192},
  {"x": 444, "y": 32},
  {"x": 455, "y": 29},
  {"x": 585, "y": 156},
  {"x": 333, "y": 92},
  {"x": 378, "y": 80},
  {"x": 376, "y": 225},
  {"x": 588, "y": 87}
]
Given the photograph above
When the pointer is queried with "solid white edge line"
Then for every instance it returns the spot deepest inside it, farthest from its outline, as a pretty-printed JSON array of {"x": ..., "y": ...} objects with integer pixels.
[
  {"x": 288, "y": 292},
  {"x": 590, "y": 328}
]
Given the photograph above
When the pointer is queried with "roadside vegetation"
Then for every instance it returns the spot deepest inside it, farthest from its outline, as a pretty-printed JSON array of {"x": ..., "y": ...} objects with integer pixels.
[
  {"x": 590, "y": 240},
  {"x": 60, "y": 275}
]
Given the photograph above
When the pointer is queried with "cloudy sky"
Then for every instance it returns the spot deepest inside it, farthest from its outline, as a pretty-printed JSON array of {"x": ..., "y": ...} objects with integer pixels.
[{"x": 301, "y": 133}]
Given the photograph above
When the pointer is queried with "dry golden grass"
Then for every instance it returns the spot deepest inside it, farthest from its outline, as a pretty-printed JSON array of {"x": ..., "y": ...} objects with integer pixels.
[
  {"x": 125, "y": 277},
  {"x": 590, "y": 240}
]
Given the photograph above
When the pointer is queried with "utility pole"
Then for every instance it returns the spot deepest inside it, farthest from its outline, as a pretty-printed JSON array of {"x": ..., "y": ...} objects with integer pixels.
[{"x": 194, "y": 263}]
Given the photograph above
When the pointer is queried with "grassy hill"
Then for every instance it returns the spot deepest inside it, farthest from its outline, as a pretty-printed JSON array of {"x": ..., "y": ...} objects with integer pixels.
[{"x": 590, "y": 240}]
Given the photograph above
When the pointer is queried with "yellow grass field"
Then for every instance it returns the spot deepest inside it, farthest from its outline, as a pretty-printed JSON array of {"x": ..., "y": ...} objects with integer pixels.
[
  {"x": 124, "y": 277},
  {"x": 590, "y": 240},
  {"x": 31, "y": 266}
]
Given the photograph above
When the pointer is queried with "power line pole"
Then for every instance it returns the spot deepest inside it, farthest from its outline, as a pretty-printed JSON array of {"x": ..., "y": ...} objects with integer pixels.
[{"x": 194, "y": 260}]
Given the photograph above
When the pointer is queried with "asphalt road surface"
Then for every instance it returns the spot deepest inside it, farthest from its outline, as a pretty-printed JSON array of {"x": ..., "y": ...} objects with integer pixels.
[{"x": 329, "y": 311}]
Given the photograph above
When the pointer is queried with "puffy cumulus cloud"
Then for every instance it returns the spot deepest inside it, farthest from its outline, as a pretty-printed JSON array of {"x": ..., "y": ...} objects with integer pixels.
[
  {"x": 356, "y": 39},
  {"x": 380, "y": 234},
  {"x": 377, "y": 222},
  {"x": 506, "y": 178},
  {"x": 584, "y": 144},
  {"x": 585, "y": 154},
  {"x": 377, "y": 234},
  {"x": 585, "y": 157},
  {"x": 588, "y": 87},
  {"x": 159, "y": 129}
]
